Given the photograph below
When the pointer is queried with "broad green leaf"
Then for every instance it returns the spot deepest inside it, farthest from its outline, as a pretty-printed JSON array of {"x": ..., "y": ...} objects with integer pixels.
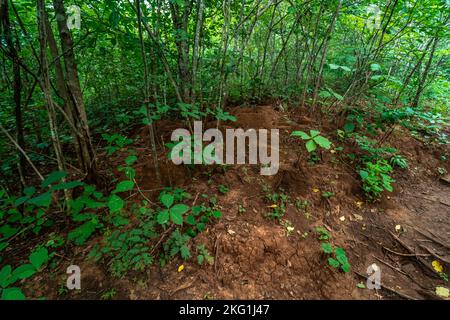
[
  {"x": 311, "y": 146},
  {"x": 191, "y": 220},
  {"x": 43, "y": 200},
  {"x": 52, "y": 178},
  {"x": 345, "y": 267},
  {"x": 334, "y": 263},
  {"x": 24, "y": 271},
  {"x": 326, "y": 247},
  {"x": 323, "y": 142},
  {"x": 301, "y": 134},
  {"x": 130, "y": 160},
  {"x": 12, "y": 294},
  {"x": 115, "y": 203},
  {"x": 67, "y": 185},
  {"x": 83, "y": 232},
  {"x": 163, "y": 217},
  {"x": 375, "y": 67},
  {"x": 123, "y": 186},
  {"x": 176, "y": 213},
  {"x": 176, "y": 217},
  {"x": 363, "y": 174},
  {"x": 5, "y": 274},
  {"x": 217, "y": 214},
  {"x": 167, "y": 200},
  {"x": 7, "y": 231},
  {"x": 314, "y": 133},
  {"x": 39, "y": 257}
]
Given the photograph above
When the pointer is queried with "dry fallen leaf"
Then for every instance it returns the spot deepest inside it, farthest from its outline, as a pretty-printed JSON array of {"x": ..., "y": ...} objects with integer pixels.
[
  {"x": 181, "y": 268},
  {"x": 315, "y": 190},
  {"x": 398, "y": 228},
  {"x": 437, "y": 266},
  {"x": 342, "y": 218},
  {"x": 231, "y": 232},
  {"x": 359, "y": 204},
  {"x": 442, "y": 292}
]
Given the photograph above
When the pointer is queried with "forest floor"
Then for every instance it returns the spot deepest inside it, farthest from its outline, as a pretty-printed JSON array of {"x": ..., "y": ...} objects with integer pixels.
[{"x": 258, "y": 258}]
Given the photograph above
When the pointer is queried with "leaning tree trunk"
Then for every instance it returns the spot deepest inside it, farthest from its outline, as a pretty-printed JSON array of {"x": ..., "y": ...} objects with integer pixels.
[
  {"x": 75, "y": 93},
  {"x": 46, "y": 88}
]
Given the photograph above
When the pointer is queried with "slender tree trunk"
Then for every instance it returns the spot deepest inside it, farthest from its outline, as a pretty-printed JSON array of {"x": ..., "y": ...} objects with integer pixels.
[
  {"x": 75, "y": 93},
  {"x": 147, "y": 93},
  {"x": 423, "y": 78},
  {"x": 324, "y": 54},
  {"x": 45, "y": 86}
]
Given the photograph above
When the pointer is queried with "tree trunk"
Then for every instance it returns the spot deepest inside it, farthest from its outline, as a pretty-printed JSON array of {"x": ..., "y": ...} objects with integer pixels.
[{"x": 75, "y": 93}]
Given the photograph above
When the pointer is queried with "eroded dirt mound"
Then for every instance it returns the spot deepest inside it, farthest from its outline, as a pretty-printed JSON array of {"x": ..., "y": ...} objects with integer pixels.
[{"x": 259, "y": 258}]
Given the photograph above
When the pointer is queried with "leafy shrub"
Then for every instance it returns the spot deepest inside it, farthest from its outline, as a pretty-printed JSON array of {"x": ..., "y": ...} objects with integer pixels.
[
  {"x": 399, "y": 161},
  {"x": 9, "y": 276},
  {"x": 376, "y": 179},
  {"x": 337, "y": 256},
  {"x": 277, "y": 205}
]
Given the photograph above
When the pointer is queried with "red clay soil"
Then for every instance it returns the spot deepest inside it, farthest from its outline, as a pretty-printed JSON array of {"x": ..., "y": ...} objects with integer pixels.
[{"x": 257, "y": 258}]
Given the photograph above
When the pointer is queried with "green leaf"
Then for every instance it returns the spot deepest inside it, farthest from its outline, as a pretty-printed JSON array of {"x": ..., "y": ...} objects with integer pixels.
[
  {"x": 12, "y": 294},
  {"x": 375, "y": 67},
  {"x": 52, "y": 178},
  {"x": 361, "y": 285},
  {"x": 323, "y": 142},
  {"x": 163, "y": 217},
  {"x": 363, "y": 174},
  {"x": 167, "y": 199},
  {"x": 301, "y": 134},
  {"x": 5, "y": 274},
  {"x": 314, "y": 133},
  {"x": 130, "y": 160},
  {"x": 334, "y": 263},
  {"x": 43, "y": 200},
  {"x": 24, "y": 271},
  {"x": 180, "y": 208},
  {"x": 123, "y": 186},
  {"x": 39, "y": 257},
  {"x": 176, "y": 213},
  {"x": 191, "y": 220},
  {"x": 311, "y": 146},
  {"x": 7, "y": 231},
  {"x": 83, "y": 232},
  {"x": 185, "y": 252},
  {"x": 217, "y": 214},
  {"x": 115, "y": 203},
  {"x": 345, "y": 267},
  {"x": 67, "y": 185},
  {"x": 326, "y": 247},
  {"x": 200, "y": 259}
]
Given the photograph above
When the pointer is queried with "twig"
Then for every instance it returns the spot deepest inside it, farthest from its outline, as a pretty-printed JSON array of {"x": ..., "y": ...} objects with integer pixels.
[
  {"x": 389, "y": 265},
  {"x": 401, "y": 294}
]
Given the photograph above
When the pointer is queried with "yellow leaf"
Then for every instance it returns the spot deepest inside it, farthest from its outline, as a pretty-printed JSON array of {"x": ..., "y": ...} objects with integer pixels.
[
  {"x": 442, "y": 292},
  {"x": 315, "y": 190},
  {"x": 181, "y": 268},
  {"x": 272, "y": 206},
  {"x": 359, "y": 204},
  {"x": 437, "y": 266}
]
